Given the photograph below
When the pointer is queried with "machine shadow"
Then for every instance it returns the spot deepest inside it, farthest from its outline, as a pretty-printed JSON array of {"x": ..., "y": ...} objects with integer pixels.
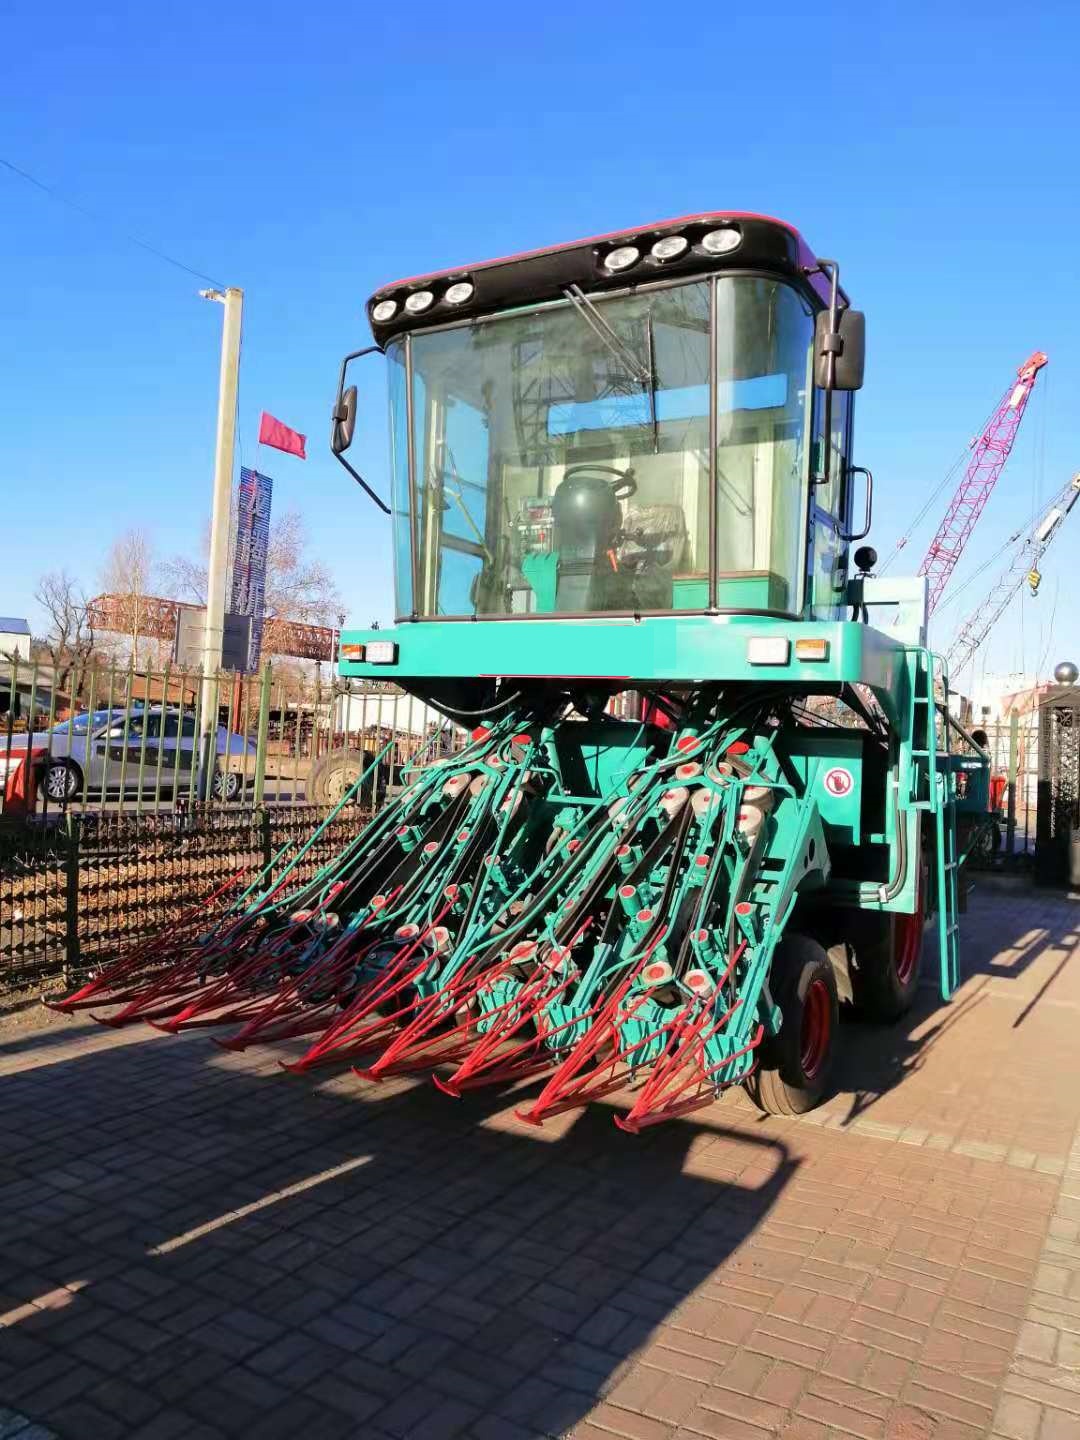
[
  {"x": 874, "y": 1059},
  {"x": 34, "y": 1040},
  {"x": 268, "y": 1255}
]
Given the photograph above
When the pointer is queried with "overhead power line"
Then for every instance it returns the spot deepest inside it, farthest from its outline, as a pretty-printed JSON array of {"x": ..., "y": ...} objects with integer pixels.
[{"x": 100, "y": 219}]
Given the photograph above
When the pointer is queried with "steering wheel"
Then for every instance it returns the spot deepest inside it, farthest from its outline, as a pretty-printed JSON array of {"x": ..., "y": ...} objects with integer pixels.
[{"x": 624, "y": 484}]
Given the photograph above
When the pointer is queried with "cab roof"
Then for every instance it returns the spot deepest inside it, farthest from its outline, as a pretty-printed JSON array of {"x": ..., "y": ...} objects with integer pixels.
[{"x": 761, "y": 242}]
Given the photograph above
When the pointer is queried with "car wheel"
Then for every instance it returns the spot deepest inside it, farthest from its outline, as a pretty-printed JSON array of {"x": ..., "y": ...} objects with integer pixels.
[
  {"x": 60, "y": 782},
  {"x": 227, "y": 784}
]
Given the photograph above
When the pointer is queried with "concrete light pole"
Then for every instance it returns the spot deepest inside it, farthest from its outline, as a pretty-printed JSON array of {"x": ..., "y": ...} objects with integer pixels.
[{"x": 220, "y": 511}]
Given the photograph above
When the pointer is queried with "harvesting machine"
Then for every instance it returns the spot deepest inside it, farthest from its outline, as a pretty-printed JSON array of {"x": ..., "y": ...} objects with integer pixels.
[{"x": 703, "y": 796}]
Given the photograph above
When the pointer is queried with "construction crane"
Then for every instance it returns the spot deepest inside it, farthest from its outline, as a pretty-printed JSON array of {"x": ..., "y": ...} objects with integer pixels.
[
  {"x": 989, "y": 452},
  {"x": 1022, "y": 568}
]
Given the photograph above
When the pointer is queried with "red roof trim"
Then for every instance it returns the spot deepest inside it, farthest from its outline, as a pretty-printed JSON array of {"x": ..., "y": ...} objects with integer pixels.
[{"x": 806, "y": 255}]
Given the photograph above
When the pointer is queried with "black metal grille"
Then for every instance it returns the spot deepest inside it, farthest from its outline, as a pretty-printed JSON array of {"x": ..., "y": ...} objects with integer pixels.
[
  {"x": 1058, "y": 817},
  {"x": 74, "y": 892},
  {"x": 34, "y": 913}
]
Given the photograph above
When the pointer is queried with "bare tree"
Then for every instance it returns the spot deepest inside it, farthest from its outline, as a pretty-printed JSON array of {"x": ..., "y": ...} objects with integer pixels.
[
  {"x": 297, "y": 586},
  {"x": 126, "y": 575},
  {"x": 70, "y": 641},
  {"x": 184, "y": 578}
]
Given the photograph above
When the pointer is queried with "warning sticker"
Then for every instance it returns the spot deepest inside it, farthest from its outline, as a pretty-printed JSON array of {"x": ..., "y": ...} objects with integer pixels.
[{"x": 838, "y": 781}]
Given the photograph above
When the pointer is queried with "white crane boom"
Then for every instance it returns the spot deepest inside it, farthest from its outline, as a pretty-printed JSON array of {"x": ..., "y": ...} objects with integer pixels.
[{"x": 1024, "y": 566}]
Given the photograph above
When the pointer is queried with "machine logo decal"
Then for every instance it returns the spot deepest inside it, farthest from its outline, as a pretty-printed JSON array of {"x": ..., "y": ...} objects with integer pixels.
[{"x": 839, "y": 781}]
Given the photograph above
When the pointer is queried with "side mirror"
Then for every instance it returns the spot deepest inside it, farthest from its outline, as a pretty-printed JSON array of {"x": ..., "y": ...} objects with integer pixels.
[
  {"x": 842, "y": 350},
  {"x": 343, "y": 422}
]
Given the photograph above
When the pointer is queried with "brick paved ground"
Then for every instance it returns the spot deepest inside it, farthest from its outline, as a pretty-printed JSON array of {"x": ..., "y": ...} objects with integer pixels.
[{"x": 193, "y": 1244}]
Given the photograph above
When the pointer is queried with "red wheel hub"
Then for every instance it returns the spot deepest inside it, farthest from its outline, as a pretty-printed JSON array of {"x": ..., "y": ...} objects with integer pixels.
[{"x": 816, "y": 1028}]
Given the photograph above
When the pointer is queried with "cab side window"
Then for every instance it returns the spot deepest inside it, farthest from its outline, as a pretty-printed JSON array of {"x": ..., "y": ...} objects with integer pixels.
[{"x": 829, "y": 504}]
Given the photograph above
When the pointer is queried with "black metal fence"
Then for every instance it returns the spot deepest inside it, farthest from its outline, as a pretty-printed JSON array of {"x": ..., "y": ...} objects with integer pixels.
[
  {"x": 74, "y": 892},
  {"x": 1057, "y": 852}
]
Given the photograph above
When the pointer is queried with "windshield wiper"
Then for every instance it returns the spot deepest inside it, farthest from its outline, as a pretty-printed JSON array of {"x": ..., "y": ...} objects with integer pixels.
[
  {"x": 644, "y": 375},
  {"x": 603, "y": 331}
]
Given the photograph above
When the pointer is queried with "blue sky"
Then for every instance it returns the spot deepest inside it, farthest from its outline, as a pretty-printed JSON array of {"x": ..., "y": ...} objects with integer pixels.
[{"x": 308, "y": 153}]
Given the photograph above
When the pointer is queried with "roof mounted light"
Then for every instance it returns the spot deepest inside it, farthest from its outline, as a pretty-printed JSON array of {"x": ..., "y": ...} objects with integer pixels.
[
  {"x": 459, "y": 292},
  {"x": 419, "y": 301},
  {"x": 383, "y": 311},
  {"x": 622, "y": 258},
  {"x": 722, "y": 241},
  {"x": 670, "y": 247}
]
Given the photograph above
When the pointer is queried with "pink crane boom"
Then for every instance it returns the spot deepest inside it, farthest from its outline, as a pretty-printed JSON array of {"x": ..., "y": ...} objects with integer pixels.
[{"x": 990, "y": 450}]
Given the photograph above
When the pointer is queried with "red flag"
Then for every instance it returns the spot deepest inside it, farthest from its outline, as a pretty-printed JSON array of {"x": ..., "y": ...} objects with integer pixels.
[{"x": 273, "y": 432}]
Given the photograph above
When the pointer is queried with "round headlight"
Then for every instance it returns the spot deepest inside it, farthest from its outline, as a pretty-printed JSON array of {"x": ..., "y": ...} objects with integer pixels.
[
  {"x": 669, "y": 247},
  {"x": 419, "y": 300},
  {"x": 384, "y": 310},
  {"x": 721, "y": 242},
  {"x": 622, "y": 258},
  {"x": 458, "y": 293}
]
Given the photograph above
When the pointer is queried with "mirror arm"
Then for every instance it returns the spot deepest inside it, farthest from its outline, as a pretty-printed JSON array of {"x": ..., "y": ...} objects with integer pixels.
[
  {"x": 833, "y": 343},
  {"x": 346, "y": 362},
  {"x": 363, "y": 484},
  {"x": 356, "y": 355}
]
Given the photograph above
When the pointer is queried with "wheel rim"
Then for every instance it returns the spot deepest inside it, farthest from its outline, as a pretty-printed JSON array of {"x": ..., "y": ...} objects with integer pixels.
[
  {"x": 58, "y": 782},
  {"x": 908, "y": 941},
  {"x": 340, "y": 781},
  {"x": 816, "y": 1028}
]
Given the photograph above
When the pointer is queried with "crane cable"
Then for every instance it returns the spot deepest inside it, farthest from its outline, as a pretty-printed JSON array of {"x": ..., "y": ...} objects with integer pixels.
[{"x": 938, "y": 489}]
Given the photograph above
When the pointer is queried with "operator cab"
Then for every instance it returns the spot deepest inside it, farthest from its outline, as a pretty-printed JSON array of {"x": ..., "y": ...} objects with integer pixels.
[{"x": 647, "y": 423}]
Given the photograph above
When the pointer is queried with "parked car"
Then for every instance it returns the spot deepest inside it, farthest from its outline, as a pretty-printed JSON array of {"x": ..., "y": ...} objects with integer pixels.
[{"x": 102, "y": 751}]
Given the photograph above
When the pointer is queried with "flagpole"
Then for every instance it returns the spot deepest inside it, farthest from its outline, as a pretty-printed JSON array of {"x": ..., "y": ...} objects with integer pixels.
[{"x": 217, "y": 576}]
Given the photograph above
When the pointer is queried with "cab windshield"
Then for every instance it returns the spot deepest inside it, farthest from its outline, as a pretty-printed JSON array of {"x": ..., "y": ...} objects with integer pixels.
[{"x": 560, "y": 458}]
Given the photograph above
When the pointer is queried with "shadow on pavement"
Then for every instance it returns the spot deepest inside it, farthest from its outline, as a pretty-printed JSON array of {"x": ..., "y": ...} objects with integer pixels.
[
  {"x": 874, "y": 1059},
  {"x": 36, "y": 1034},
  {"x": 244, "y": 1254}
]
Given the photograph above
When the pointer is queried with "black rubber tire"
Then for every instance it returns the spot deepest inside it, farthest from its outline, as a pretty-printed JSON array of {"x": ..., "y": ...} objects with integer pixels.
[
  {"x": 73, "y": 781},
  {"x": 884, "y": 986},
  {"x": 783, "y": 1084},
  {"x": 332, "y": 775}
]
